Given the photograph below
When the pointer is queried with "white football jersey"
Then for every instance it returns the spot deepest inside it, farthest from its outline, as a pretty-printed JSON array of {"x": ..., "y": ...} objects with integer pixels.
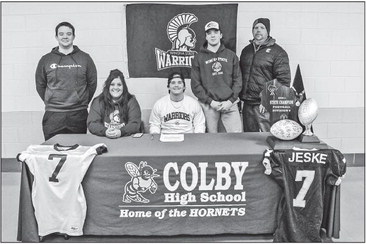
[
  {"x": 185, "y": 116},
  {"x": 57, "y": 194}
]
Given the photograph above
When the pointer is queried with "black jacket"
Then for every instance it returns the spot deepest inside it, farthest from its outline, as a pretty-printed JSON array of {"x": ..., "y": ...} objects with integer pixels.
[{"x": 259, "y": 66}]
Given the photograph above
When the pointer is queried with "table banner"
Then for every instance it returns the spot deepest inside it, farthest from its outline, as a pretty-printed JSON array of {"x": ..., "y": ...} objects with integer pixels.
[{"x": 180, "y": 195}]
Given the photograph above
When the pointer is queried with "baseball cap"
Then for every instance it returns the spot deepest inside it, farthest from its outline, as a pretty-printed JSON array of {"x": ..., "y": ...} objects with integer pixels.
[
  {"x": 212, "y": 25},
  {"x": 176, "y": 75}
]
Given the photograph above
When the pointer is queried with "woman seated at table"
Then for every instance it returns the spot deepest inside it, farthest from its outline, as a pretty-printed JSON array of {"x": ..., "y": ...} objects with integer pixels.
[{"x": 115, "y": 112}]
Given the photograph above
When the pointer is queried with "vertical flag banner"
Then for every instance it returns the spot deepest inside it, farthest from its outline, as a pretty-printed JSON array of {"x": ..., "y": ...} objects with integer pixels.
[
  {"x": 162, "y": 38},
  {"x": 298, "y": 83}
]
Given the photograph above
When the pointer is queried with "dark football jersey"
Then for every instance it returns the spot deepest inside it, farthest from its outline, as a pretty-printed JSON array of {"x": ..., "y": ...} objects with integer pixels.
[{"x": 303, "y": 175}]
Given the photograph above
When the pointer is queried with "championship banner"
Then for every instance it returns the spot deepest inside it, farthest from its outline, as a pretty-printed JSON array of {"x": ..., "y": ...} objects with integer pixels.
[
  {"x": 162, "y": 38},
  {"x": 280, "y": 101},
  {"x": 181, "y": 195}
]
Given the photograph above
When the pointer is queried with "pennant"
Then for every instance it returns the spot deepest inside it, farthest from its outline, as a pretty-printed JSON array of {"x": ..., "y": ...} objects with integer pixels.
[
  {"x": 298, "y": 83},
  {"x": 162, "y": 38}
]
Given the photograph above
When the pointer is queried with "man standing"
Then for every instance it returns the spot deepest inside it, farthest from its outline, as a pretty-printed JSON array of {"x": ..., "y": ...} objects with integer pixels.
[
  {"x": 216, "y": 81},
  {"x": 260, "y": 62},
  {"x": 66, "y": 79},
  {"x": 177, "y": 112}
]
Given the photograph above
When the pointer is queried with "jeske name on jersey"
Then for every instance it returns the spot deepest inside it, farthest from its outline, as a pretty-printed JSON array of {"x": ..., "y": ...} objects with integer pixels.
[{"x": 308, "y": 157}]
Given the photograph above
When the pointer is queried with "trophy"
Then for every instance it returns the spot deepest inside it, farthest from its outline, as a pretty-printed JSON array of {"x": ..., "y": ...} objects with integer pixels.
[
  {"x": 307, "y": 113},
  {"x": 286, "y": 133}
]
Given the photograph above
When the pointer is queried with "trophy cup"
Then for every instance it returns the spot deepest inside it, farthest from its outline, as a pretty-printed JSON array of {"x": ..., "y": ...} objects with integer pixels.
[{"x": 307, "y": 113}]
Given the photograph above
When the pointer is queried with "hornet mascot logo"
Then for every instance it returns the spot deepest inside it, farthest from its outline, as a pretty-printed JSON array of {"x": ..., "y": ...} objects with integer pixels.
[{"x": 142, "y": 179}]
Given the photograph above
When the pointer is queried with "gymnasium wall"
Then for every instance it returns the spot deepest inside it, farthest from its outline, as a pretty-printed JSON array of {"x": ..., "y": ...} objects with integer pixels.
[{"x": 325, "y": 38}]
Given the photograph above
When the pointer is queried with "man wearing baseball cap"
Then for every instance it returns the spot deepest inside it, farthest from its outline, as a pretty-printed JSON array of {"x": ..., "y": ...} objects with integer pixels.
[
  {"x": 216, "y": 81},
  {"x": 260, "y": 62}
]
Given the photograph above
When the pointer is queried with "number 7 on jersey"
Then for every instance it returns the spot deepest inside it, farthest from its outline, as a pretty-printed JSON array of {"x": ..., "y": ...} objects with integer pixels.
[
  {"x": 63, "y": 158},
  {"x": 309, "y": 177}
]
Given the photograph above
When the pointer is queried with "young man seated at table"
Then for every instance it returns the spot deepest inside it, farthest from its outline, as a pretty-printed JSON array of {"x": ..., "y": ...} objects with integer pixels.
[
  {"x": 177, "y": 112},
  {"x": 115, "y": 112}
]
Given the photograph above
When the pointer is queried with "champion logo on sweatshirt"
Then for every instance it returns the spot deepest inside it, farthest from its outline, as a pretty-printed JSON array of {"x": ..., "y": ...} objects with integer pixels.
[{"x": 69, "y": 66}]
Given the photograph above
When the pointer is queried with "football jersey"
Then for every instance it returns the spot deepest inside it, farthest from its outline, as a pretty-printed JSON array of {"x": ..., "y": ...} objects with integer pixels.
[
  {"x": 57, "y": 194},
  {"x": 303, "y": 175},
  {"x": 185, "y": 116}
]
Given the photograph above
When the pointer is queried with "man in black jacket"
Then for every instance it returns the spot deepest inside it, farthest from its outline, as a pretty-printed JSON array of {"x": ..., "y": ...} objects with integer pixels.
[{"x": 261, "y": 61}]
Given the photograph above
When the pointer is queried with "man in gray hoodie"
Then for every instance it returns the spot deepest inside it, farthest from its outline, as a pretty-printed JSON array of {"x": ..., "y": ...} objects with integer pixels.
[
  {"x": 216, "y": 81},
  {"x": 66, "y": 80}
]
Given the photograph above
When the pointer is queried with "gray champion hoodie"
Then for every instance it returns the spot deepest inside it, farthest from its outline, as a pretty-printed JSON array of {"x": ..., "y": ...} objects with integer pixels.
[{"x": 66, "y": 82}]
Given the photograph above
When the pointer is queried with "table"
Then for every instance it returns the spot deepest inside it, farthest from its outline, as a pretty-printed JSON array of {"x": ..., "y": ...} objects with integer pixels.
[{"x": 208, "y": 184}]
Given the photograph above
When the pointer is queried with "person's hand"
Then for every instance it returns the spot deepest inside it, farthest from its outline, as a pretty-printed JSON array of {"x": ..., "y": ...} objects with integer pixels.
[
  {"x": 110, "y": 133},
  {"x": 113, "y": 133},
  {"x": 215, "y": 105},
  {"x": 262, "y": 109},
  {"x": 226, "y": 105}
]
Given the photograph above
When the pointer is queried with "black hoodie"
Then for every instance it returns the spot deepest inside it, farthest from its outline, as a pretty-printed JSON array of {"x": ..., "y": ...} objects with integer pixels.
[
  {"x": 66, "y": 82},
  {"x": 216, "y": 76}
]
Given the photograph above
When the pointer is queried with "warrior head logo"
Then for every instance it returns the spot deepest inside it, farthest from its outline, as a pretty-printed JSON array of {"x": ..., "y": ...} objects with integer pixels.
[
  {"x": 115, "y": 120},
  {"x": 272, "y": 89},
  {"x": 183, "y": 40},
  {"x": 142, "y": 179},
  {"x": 182, "y": 37},
  {"x": 114, "y": 117}
]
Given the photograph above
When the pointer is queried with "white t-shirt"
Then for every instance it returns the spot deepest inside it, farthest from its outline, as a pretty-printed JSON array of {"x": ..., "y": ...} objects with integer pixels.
[
  {"x": 57, "y": 194},
  {"x": 185, "y": 116}
]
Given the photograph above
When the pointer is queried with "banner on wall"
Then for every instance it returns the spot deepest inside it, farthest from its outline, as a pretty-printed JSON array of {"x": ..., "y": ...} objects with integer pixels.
[{"x": 162, "y": 38}]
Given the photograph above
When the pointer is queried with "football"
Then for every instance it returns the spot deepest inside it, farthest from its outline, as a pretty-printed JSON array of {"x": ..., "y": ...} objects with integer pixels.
[
  {"x": 286, "y": 129},
  {"x": 308, "y": 111}
]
